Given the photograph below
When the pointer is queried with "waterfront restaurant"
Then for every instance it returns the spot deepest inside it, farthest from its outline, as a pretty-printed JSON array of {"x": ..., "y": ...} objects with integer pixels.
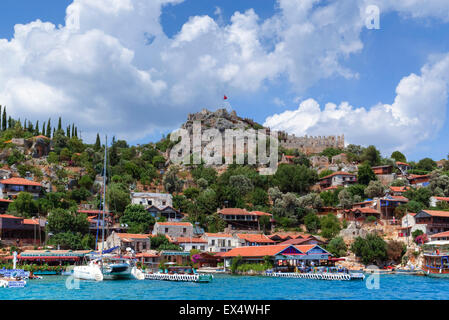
[
  {"x": 52, "y": 257},
  {"x": 285, "y": 257}
]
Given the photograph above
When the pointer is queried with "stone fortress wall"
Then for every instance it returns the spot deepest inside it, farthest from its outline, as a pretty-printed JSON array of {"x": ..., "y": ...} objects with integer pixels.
[{"x": 310, "y": 144}]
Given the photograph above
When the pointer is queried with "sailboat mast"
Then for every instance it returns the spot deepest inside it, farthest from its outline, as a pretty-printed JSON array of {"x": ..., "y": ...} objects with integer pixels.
[{"x": 104, "y": 194}]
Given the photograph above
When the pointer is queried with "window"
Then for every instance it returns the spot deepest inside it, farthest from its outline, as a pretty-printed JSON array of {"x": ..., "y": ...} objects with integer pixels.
[
  {"x": 166, "y": 230},
  {"x": 212, "y": 242},
  {"x": 150, "y": 202},
  {"x": 163, "y": 203},
  {"x": 202, "y": 247},
  {"x": 184, "y": 230}
]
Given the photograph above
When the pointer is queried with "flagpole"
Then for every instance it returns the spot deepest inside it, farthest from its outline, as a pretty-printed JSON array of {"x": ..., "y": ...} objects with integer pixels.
[{"x": 104, "y": 197}]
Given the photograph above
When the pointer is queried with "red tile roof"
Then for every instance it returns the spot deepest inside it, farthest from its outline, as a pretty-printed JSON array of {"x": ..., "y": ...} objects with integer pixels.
[
  {"x": 6, "y": 200},
  {"x": 133, "y": 236},
  {"x": 257, "y": 238},
  {"x": 146, "y": 255},
  {"x": 30, "y": 221},
  {"x": 255, "y": 251},
  {"x": 189, "y": 240},
  {"x": 234, "y": 211},
  {"x": 218, "y": 235},
  {"x": 185, "y": 224},
  {"x": 296, "y": 241},
  {"x": 291, "y": 235},
  {"x": 402, "y": 163},
  {"x": 436, "y": 213},
  {"x": 442, "y": 198},
  {"x": 261, "y": 251},
  {"x": 399, "y": 189},
  {"x": 444, "y": 234},
  {"x": 242, "y": 212},
  {"x": 20, "y": 181},
  {"x": 338, "y": 173}
]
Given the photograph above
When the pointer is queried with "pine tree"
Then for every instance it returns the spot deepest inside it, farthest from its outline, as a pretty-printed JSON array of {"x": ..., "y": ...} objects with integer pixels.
[
  {"x": 4, "y": 123},
  {"x": 48, "y": 133},
  {"x": 98, "y": 143}
]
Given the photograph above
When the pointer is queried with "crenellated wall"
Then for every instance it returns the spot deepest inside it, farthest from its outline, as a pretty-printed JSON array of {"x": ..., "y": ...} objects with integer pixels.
[{"x": 311, "y": 144}]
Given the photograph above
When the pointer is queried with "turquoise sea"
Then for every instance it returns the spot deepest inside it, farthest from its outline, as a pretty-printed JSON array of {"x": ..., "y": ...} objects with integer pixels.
[{"x": 226, "y": 287}]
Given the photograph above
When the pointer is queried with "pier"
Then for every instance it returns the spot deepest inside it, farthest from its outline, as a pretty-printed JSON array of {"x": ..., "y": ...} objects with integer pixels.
[
  {"x": 318, "y": 276},
  {"x": 179, "y": 277}
]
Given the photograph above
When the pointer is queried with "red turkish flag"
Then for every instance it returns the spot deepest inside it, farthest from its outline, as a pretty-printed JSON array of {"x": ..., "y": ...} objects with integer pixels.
[{"x": 225, "y": 98}]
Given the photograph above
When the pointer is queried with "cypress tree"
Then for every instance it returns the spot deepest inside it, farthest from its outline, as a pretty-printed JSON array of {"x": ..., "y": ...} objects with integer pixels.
[
  {"x": 76, "y": 132},
  {"x": 54, "y": 132},
  {"x": 98, "y": 143},
  {"x": 68, "y": 131},
  {"x": 59, "y": 124},
  {"x": 4, "y": 119},
  {"x": 9, "y": 122},
  {"x": 36, "y": 128},
  {"x": 73, "y": 129},
  {"x": 1, "y": 124},
  {"x": 48, "y": 134}
]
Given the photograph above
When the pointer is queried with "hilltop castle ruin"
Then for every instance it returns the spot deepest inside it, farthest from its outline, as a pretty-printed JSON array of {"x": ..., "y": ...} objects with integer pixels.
[
  {"x": 222, "y": 119},
  {"x": 311, "y": 145}
]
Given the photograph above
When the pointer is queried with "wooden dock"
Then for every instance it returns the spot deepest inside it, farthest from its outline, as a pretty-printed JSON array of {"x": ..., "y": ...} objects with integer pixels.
[
  {"x": 201, "y": 278},
  {"x": 318, "y": 276}
]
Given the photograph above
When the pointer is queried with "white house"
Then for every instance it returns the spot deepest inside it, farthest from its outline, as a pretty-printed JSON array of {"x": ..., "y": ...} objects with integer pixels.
[
  {"x": 409, "y": 225},
  {"x": 192, "y": 243},
  {"x": 147, "y": 199},
  {"x": 221, "y": 242},
  {"x": 434, "y": 200}
]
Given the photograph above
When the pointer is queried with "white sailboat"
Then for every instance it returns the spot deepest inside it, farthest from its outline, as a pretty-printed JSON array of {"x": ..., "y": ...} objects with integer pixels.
[{"x": 106, "y": 266}]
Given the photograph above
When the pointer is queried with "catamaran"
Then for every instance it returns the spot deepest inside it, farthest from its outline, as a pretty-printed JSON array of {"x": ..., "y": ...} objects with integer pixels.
[{"x": 104, "y": 266}]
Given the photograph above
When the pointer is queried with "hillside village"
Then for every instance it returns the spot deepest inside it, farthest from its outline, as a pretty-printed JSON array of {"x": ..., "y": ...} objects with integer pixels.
[{"x": 343, "y": 199}]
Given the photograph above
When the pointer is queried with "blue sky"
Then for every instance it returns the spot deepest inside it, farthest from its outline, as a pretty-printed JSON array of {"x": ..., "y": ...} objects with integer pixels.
[{"x": 402, "y": 46}]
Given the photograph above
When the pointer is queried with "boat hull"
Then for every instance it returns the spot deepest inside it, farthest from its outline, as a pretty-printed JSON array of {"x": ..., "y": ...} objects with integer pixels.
[
  {"x": 436, "y": 273},
  {"x": 88, "y": 273}
]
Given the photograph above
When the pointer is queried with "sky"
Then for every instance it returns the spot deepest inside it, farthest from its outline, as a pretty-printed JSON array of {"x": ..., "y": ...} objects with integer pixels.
[{"x": 135, "y": 68}]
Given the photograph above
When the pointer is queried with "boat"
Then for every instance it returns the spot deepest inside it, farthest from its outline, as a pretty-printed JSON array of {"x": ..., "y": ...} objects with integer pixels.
[
  {"x": 104, "y": 266},
  {"x": 436, "y": 259},
  {"x": 179, "y": 273}
]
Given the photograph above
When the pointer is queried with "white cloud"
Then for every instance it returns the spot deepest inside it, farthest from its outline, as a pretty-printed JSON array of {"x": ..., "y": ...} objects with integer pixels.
[
  {"x": 112, "y": 68},
  {"x": 417, "y": 113}
]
